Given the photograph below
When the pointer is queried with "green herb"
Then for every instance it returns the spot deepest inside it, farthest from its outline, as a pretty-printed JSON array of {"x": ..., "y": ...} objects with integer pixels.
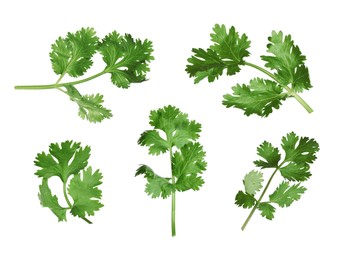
[
  {"x": 228, "y": 52},
  {"x": 186, "y": 155},
  {"x": 66, "y": 161},
  {"x": 299, "y": 154},
  {"x": 127, "y": 61}
]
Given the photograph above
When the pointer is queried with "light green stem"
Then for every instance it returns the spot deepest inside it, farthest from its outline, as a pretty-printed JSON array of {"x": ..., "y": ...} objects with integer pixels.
[
  {"x": 58, "y": 85},
  {"x": 288, "y": 89},
  {"x": 66, "y": 196},
  {"x": 173, "y": 199},
  {"x": 260, "y": 198}
]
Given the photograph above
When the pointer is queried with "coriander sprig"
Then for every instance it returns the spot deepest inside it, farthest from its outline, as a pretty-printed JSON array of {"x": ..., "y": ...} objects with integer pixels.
[
  {"x": 68, "y": 162},
  {"x": 127, "y": 61},
  {"x": 290, "y": 76},
  {"x": 300, "y": 152},
  {"x": 187, "y": 157}
]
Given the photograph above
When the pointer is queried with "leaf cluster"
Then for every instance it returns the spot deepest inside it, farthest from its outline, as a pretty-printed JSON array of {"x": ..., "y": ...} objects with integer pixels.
[
  {"x": 294, "y": 168},
  {"x": 127, "y": 62},
  {"x": 68, "y": 162},
  {"x": 228, "y": 52},
  {"x": 173, "y": 132}
]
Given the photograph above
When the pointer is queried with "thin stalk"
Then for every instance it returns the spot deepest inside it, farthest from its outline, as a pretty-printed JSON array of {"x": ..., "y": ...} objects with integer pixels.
[
  {"x": 58, "y": 85},
  {"x": 260, "y": 198},
  {"x": 288, "y": 89},
  {"x": 66, "y": 196},
  {"x": 70, "y": 204},
  {"x": 173, "y": 199}
]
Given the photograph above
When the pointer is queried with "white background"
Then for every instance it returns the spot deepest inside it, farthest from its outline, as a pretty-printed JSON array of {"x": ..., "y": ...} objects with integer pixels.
[{"x": 132, "y": 225}]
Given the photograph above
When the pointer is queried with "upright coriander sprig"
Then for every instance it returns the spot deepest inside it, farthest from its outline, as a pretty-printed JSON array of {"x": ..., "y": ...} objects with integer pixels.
[
  {"x": 127, "y": 61},
  {"x": 66, "y": 161},
  {"x": 290, "y": 76},
  {"x": 186, "y": 155},
  {"x": 299, "y": 154}
]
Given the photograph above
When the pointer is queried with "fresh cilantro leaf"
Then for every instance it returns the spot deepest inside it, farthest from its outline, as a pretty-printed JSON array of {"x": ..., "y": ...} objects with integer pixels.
[
  {"x": 90, "y": 106},
  {"x": 267, "y": 210},
  {"x": 127, "y": 61},
  {"x": 295, "y": 166},
  {"x": 285, "y": 194},
  {"x": 228, "y": 52},
  {"x": 154, "y": 141},
  {"x": 187, "y": 156},
  {"x": 189, "y": 181},
  {"x": 73, "y": 54},
  {"x": 244, "y": 200},
  {"x": 230, "y": 47},
  {"x": 259, "y": 97},
  {"x": 85, "y": 193},
  {"x": 58, "y": 162},
  {"x": 50, "y": 201},
  {"x": 178, "y": 129},
  {"x": 65, "y": 161},
  {"x": 187, "y": 164},
  {"x": 146, "y": 171},
  {"x": 295, "y": 172},
  {"x": 205, "y": 64},
  {"x": 189, "y": 159},
  {"x": 299, "y": 149},
  {"x": 253, "y": 182},
  {"x": 300, "y": 152},
  {"x": 156, "y": 186},
  {"x": 288, "y": 62},
  {"x": 270, "y": 154}
]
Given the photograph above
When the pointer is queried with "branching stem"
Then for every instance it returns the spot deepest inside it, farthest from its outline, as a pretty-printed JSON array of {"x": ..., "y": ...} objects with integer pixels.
[
  {"x": 58, "y": 84},
  {"x": 260, "y": 198},
  {"x": 288, "y": 89}
]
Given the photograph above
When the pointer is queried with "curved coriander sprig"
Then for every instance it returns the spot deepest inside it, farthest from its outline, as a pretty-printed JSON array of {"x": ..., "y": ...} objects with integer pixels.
[
  {"x": 186, "y": 155},
  {"x": 260, "y": 96},
  {"x": 127, "y": 61},
  {"x": 66, "y": 161},
  {"x": 299, "y": 154}
]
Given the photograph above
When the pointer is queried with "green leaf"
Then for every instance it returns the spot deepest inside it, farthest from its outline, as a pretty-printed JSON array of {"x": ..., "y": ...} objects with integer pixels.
[
  {"x": 288, "y": 62},
  {"x": 178, "y": 129},
  {"x": 50, "y": 201},
  {"x": 267, "y": 210},
  {"x": 73, "y": 54},
  {"x": 90, "y": 106},
  {"x": 189, "y": 160},
  {"x": 286, "y": 194},
  {"x": 146, "y": 171},
  {"x": 299, "y": 149},
  {"x": 270, "y": 154},
  {"x": 295, "y": 172},
  {"x": 244, "y": 200},
  {"x": 205, "y": 64},
  {"x": 62, "y": 161},
  {"x": 154, "y": 141},
  {"x": 300, "y": 152},
  {"x": 85, "y": 193},
  {"x": 156, "y": 185},
  {"x": 189, "y": 181},
  {"x": 227, "y": 52},
  {"x": 127, "y": 59},
  {"x": 259, "y": 97},
  {"x": 230, "y": 47},
  {"x": 253, "y": 182}
]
